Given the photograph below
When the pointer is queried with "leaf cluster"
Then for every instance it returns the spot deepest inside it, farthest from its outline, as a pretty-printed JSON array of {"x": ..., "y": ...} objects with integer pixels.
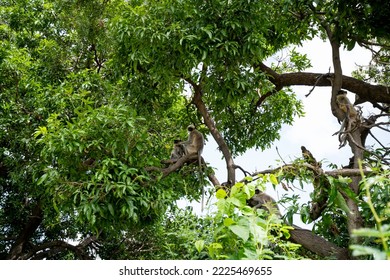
[{"x": 241, "y": 232}]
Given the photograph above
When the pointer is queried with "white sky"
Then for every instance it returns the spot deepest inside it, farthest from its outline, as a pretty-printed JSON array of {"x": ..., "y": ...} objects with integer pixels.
[{"x": 314, "y": 131}]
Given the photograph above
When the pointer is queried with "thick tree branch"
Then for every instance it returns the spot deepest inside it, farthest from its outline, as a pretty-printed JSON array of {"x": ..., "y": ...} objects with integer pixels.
[
  {"x": 54, "y": 247},
  {"x": 354, "y": 219},
  {"x": 365, "y": 91},
  {"x": 317, "y": 244},
  {"x": 31, "y": 226},
  {"x": 208, "y": 120}
]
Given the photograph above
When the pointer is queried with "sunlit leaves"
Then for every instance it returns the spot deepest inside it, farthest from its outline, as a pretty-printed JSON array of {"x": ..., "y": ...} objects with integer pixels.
[{"x": 243, "y": 232}]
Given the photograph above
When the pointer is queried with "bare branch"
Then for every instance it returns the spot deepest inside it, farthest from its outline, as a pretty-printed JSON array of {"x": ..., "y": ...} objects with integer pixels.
[
  {"x": 315, "y": 84},
  {"x": 246, "y": 173}
]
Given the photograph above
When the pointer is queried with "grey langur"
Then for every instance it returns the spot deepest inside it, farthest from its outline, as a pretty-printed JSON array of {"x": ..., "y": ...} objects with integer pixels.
[
  {"x": 194, "y": 145},
  {"x": 263, "y": 201},
  {"x": 178, "y": 151},
  {"x": 195, "y": 142}
]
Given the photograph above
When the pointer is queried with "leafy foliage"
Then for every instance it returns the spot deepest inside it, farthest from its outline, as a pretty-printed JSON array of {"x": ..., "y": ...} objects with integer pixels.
[
  {"x": 377, "y": 233},
  {"x": 227, "y": 40},
  {"x": 241, "y": 232}
]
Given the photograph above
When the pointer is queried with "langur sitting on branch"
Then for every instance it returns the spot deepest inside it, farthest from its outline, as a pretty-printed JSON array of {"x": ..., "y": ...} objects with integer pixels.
[
  {"x": 194, "y": 145},
  {"x": 178, "y": 151}
]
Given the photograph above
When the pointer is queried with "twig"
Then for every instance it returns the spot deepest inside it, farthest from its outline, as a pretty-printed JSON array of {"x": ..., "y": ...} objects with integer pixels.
[
  {"x": 246, "y": 173},
  {"x": 315, "y": 84},
  {"x": 277, "y": 150}
]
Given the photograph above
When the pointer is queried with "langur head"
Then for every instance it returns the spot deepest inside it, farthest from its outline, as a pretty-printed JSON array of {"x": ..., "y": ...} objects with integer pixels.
[
  {"x": 191, "y": 127},
  {"x": 341, "y": 92}
]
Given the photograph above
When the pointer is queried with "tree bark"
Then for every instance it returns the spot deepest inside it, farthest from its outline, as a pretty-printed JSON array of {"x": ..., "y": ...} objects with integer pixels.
[
  {"x": 365, "y": 91},
  {"x": 354, "y": 219},
  {"x": 52, "y": 248},
  {"x": 317, "y": 244},
  {"x": 31, "y": 226},
  {"x": 208, "y": 120}
]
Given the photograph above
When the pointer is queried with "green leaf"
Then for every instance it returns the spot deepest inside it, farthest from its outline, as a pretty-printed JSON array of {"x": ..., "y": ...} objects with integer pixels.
[
  {"x": 239, "y": 185},
  {"x": 199, "y": 245},
  {"x": 259, "y": 234},
  {"x": 228, "y": 222},
  {"x": 214, "y": 248},
  {"x": 204, "y": 55},
  {"x": 273, "y": 179},
  {"x": 248, "y": 178},
  {"x": 42, "y": 130},
  {"x": 247, "y": 210},
  {"x": 237, "y": 201},
  {"x": 340, "y": 201},
  {"x": 241, "y": 231},
  {"x": 208, "y": 32},
  {"x": 248, "y": 191},
  {"x": 111, "y": 209},
  {"x": 42, "y": 179},
  {"x": 221, "y": 194}
]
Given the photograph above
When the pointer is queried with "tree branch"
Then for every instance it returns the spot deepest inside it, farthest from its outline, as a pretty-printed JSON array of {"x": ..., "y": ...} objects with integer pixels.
[
  {"x": 365, "y": 91},
  {"x": 54, "y": 247},
  {"x": 209, "y": 121},
  {"x": 332, "y": 173},
  {"x": 317, "y": 244},
  {"x": 175, "y": 166},
  {"x": 31, "y": 226}
]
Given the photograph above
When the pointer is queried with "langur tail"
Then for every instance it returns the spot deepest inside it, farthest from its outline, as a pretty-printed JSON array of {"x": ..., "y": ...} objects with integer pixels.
[{"x": 201, "y": 181}]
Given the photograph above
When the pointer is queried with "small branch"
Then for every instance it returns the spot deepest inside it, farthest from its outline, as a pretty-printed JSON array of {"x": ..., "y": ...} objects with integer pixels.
[
  {"x": 264, "y": 97},
  {"x": 315, "y": 84},
  {"x": 377, "y": 140},
  {"x": 277, "y": 151},
  {"x": 246, "y": 173},
  {"x": 213, "y": 179},
  {"x": 379, "y": 125}
]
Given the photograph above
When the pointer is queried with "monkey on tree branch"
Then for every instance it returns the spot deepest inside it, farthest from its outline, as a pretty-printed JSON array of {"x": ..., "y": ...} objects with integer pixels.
[
  {"x": 352, "y": 118},
  {"x": 184, "y": 152}
]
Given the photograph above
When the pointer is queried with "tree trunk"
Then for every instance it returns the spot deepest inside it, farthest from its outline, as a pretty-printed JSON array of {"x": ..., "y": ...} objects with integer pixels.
[
  {"x": 208, "y": 120},
  {"x": 354, "y": 219}
]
